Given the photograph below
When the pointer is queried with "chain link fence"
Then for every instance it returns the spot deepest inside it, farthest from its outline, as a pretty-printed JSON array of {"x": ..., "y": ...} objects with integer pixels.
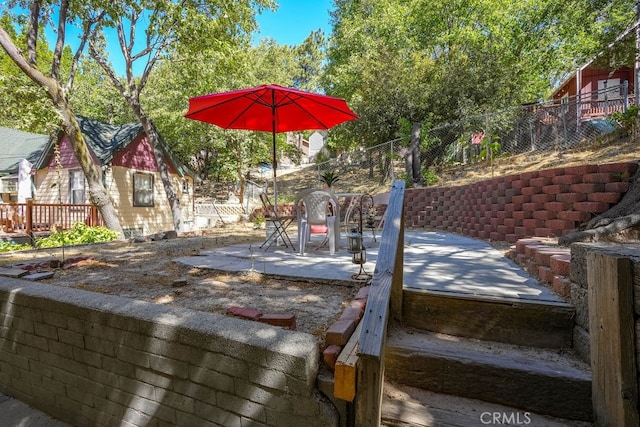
[{"x": 551, "y": 127}]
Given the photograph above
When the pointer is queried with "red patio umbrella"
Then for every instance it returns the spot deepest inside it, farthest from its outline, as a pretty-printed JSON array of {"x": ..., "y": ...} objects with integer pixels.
[{"x": 270, "y": 108}]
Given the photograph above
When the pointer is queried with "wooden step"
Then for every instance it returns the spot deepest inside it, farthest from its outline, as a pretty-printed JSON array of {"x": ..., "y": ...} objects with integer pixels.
[
  {"x": 408, "y": 406},
  {"x": 545, "y": 324},
  {"x": 544, "y": 381}
]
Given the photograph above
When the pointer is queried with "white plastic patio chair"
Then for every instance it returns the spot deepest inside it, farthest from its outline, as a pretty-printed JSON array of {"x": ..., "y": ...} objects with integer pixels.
[{"x": 318, "y": 213}]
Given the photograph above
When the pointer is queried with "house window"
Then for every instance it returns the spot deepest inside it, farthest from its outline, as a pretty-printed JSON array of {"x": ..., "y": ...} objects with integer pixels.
[
  {"x": 185, "y": 186},
  {"x": 142, "y": 189},
  {"x": 76, "y": 187},
  {"x": 9, "y": 185},
  {"x": 609, "y": 89}
]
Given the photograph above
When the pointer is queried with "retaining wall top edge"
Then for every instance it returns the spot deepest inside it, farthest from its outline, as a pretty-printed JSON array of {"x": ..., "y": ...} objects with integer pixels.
[{"x": 191, "y": 322}]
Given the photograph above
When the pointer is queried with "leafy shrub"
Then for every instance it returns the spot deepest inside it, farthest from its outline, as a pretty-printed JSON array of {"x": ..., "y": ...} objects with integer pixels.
[
  {"x": 79, "y": 234},
  {"x": 9, "y": 246}
]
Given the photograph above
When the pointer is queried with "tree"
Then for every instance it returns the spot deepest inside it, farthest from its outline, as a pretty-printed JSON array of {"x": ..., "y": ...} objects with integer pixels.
[
  {"x": 58, "y": 91},
  {"x": 166, "y": 25}
]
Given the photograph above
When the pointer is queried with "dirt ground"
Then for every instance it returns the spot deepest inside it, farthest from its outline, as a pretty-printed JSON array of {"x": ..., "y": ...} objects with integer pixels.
[{"x": 146, "y": 271}]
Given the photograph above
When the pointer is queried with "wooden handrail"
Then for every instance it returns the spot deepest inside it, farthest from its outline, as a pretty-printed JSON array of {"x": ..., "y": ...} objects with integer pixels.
[{"x": 385, "y": 298}]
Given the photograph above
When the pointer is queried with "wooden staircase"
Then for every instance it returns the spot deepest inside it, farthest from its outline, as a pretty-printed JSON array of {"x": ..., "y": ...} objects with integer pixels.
[{"x": 461, "y": 360}]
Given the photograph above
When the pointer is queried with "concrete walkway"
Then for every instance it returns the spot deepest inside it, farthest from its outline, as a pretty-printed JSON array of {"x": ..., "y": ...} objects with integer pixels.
[{"x": 432, "y": 261}]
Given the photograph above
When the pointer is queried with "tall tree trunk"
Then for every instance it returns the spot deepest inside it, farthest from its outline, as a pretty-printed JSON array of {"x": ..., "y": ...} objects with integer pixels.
[
  {"x": 414, "y": 148},
  {"x": 97, "y": 193},
  {"x": 155, "y": 140}
]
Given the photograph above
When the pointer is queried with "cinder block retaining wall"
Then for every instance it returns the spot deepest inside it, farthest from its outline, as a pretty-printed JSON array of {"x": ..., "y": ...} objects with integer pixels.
[
  {"x": 546, "y": 203},
  {"x": 93, "y": 359}
]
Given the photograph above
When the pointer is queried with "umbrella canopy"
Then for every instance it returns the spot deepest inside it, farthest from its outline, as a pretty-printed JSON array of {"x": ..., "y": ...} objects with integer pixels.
[{"x": 270, "y": 108}]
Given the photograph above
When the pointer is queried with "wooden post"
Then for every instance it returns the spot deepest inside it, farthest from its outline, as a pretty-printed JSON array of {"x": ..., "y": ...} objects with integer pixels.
[
  {"x": 611, "y": 326},
  {"x": 29, "y": 218}
]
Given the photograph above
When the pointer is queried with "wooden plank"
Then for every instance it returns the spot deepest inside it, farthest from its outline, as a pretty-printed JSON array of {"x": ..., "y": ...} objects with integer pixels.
[
  {"x": 614, "y": 385},
  {"x": 370, "y": 377},
  {"x": 531, "y": 323},
  {"x": 344, "y": 386}
]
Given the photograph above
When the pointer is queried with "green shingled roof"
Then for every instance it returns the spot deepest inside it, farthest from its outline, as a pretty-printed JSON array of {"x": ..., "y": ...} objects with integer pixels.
[{"x": 16, "y": 145}]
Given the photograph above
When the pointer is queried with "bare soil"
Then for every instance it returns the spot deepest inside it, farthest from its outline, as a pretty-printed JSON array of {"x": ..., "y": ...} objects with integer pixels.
[{"x": 147, "y": 271}]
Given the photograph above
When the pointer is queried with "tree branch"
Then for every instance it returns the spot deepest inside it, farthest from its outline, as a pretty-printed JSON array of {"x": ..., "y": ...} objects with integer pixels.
[
  {"x": 615, "y": 226},
  {"x": 32, "y": 36},
  {"x": 57, "y": 53},
  {"x": 88, "y": 33},
  {"x": 29, "y": 69},
  {"x": 105, "y": 66}
]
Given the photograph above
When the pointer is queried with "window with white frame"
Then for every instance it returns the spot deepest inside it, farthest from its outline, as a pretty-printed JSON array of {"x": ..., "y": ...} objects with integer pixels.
[
  {"x": 77, "y": 184},
  {"x": 142, "y": 189},
  {"x": 9, "y": 185},
  {"x": 609, "y": 89}
]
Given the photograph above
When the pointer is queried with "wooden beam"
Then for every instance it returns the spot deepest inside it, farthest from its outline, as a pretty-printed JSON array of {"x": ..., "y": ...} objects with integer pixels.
[
  {"x": 344, "y": 386},
  {"x": 611, "y": 325}
]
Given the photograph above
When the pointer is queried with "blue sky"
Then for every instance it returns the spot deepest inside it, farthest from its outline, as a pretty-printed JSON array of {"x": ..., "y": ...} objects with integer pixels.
[{"x": 292, "y": 22}]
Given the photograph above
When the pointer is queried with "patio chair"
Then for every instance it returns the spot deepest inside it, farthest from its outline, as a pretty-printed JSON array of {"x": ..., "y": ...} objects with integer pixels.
[
  {"x": 280, "y": 224},
  {"x": 318, "y": 213}
]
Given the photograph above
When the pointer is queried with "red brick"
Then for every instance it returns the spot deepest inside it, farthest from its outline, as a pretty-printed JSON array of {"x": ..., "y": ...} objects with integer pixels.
[
  {"x": 587, "y": 187},
  {"x": 245, "y": 313},
  {"x": 543, "y": 198},
  {"x": 521, "y": 244},
  {"x": 561, "y": 264},
  {"x": 591, "y": 207},
  {"x": 330, "y": 356},
  {"x": 512, "y": 222},
  {"x": 532, "y": 206},
  {"x": 496, "y": 236},
  {"x": 286, "y": 320},
  {"x": 547, "y": 232},
  {"x": 556, "y": 206},
  {"x": 617, "y": 187},
  {"x": 511, "y": 238},
  {"x": 555, "y": 189},
  {"x": 354, "y": 311},
  {"x": 598, "y": 178},
  {"x": 562, "y": 286},
  {"x": 524, "y": 231},
  {"x": 580, "y": 170},
  {"x": 519, "y": 184},
  {"x": 551, "y": 172},
  {"x": 543, "y": 255},
  {"x": 545, "y": 274},
  {"x": 503, "y": 229},
  {"x": 531, "y": 248},
  {"x": 566, "y": 179},
  {"x": 363, "y": 292},
  {"x": 560, "y": 224},
  {"x": 604, "y": 197},
  {"x": 340, "y": 332},
  {"x": 619, "y": 168},
  {"x": 571, "y": 197},
  {"x": 529, "y": 191},
  {"x": 575, "y": 216},
  {"x": 540, "y": 181},
  {"x": 527, "y": 176},
  {"x": 533, "y": 223},
  {"x": 544, "y": 214},
  {"x": 512, "y": 207}
]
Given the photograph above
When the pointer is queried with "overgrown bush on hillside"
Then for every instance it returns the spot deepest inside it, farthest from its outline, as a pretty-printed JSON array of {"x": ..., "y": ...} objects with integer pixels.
[{"x": 79, "y": 234}]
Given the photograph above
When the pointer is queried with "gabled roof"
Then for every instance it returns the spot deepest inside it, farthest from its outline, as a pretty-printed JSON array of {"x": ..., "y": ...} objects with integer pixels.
[
  {"x": 573, "y": 73},
  {"x": 16, "y": 145}
]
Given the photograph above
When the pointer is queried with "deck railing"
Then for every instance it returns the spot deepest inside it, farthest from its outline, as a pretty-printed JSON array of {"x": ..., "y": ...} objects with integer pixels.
[
  {"x": 359, "y": 371},
  {"x": 30, "y": 218}
]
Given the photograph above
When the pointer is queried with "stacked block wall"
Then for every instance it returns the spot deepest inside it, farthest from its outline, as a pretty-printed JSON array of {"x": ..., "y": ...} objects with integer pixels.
[
  {"x": 92, "y": 359},
  {"x": 545, "y": 203}
]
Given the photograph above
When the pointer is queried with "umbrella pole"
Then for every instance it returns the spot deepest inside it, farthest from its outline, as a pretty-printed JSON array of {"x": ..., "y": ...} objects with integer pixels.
[{"x": 275, "y": 161}]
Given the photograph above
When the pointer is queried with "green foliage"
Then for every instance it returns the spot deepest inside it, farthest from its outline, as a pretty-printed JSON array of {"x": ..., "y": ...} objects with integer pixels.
[
  {"x": 627, "y": 119},
  {"x": 9, "y": 246},
  {"x": 329, "y": 178},
  {"x": 79, "y": 234},
  {"x": 429, "y": 177},
  {"x": 490, "y": 147}
]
